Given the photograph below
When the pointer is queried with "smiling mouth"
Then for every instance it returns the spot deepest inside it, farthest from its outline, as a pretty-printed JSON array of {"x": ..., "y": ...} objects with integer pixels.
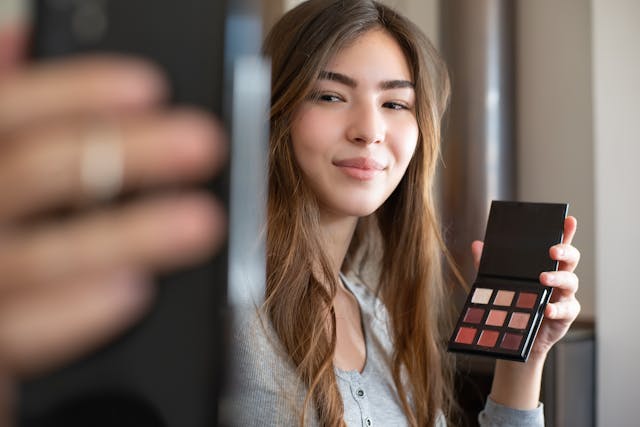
[{"x": 360, "y": 168}]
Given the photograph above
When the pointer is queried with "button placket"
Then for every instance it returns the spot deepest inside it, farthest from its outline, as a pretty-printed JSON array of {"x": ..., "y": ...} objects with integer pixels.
[{"x": 361, "y": 397}]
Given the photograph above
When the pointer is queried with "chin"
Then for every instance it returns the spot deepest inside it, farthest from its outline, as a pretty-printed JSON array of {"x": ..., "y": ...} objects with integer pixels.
[{"x": 358, "y": 208}]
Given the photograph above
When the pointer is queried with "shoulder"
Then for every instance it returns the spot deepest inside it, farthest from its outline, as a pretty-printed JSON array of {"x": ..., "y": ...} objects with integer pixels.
[
  {"x": 263, "y": 384},
  {"x": 256, "y": 353}
]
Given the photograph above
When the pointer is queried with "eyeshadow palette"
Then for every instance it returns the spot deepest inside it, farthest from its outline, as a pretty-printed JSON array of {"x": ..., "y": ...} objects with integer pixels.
[{"x": 505, "y": 307}]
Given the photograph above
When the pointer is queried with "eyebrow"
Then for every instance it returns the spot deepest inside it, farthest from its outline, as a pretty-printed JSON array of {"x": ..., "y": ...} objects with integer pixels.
[{"x": 348, "y": 81}]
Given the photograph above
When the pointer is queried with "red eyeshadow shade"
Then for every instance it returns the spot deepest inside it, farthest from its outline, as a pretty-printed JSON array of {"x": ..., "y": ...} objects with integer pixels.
[
  {"x": 496, "y": 317},
  {"x": 466, "y": 335},
  {"x": 488, "y": 338},
  {"x": 474, "y": 315},
  {"x": 526, "y": 300},
  {"x": 511, "y": 341}
]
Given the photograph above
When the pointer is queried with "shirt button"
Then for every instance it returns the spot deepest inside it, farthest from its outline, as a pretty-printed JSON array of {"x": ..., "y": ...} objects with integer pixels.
[
  {"x": 360, "y": 392},
  {"x": 368, "y": 421}
]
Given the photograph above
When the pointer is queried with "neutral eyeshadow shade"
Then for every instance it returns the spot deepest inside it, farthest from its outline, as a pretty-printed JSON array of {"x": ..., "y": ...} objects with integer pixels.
[
  {"x": 519, "y": 320},
  {"x": 481, "y": 296},
  {"x": 466, "y": 335},
  {"x": 474, "y": 315},
  {"x": 504, "y": 298},
  {"x": 488, "y": 338},
  {"x": 511, "y": 341},
  {"x": 496, "y": 317},
  {"x": 526, "y": 300}
]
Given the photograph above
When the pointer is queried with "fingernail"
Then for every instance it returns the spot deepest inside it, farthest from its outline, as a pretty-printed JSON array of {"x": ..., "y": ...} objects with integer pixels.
[
  {"x": 131, "y": 288},
  {"x": 196, "y": 139},
  {"x": 549, "y": 278},
  {"x": 197, "y": 222},
  {"x": 560, "y": 251},
  {"x": 141, "y": 82}
]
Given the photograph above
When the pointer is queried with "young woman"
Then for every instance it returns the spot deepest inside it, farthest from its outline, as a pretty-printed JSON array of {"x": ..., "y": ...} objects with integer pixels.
[{"x": 356, "y": 315}]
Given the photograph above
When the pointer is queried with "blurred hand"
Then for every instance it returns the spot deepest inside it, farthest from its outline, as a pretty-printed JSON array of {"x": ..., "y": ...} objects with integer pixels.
[{"x": 68, "y": 283}]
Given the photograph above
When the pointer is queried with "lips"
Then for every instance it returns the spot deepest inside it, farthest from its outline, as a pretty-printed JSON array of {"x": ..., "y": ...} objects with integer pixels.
[
  {"x": 364, "y": 163},
  {"x": 360, "y": 168}
]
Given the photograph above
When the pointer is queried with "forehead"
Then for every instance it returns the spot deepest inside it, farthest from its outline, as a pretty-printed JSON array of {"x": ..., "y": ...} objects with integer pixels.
[{"x": 374, "y": 54}]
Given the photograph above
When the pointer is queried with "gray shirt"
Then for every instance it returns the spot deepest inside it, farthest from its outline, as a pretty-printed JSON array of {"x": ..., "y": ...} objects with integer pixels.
[{"x": 266, "y": 390}]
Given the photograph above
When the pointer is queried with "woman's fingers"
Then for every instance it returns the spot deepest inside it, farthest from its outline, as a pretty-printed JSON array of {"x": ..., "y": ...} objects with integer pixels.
[
  {"x": 565, "y": 306},
  {"x": 563, "y": 310},
  {"x": 155, "y": 149},
  {"x": 570, "y": 226},
  {"x": 44, "y": 326},
  {"x": 567, "y": 255},
  {"x": 157, "y": 233},
  {"x": 565, "y": 281},
  {"x": 90, "y": 85}
]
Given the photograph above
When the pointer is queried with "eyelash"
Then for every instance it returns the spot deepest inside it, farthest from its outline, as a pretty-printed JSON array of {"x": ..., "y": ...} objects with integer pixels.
[
  {"x": 329, "y": 97},
  {"x": 396, "y": 106}
]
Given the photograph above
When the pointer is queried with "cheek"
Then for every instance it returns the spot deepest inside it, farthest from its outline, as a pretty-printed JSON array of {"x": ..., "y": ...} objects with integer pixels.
[
  {"x": 302, "y": 136},
  {"x": 406, "y": 143},
  {"x": 312, "y": 133}
]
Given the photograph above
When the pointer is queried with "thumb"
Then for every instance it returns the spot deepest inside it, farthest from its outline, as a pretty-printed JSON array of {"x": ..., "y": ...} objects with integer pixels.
[{"x": 476, "y": 252}]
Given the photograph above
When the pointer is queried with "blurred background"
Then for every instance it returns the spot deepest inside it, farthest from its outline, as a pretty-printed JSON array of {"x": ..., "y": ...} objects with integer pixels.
[{"x": 544, "y": 108}]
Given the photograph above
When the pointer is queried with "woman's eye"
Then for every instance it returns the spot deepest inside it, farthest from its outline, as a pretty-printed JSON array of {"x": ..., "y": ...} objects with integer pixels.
[
  {"x": 327, "y": 97},
  {"x": 395, "y": 106}
]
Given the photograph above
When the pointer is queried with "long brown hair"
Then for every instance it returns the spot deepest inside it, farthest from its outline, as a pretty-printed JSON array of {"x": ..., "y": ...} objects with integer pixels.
[{"x": 300, "y": 283}]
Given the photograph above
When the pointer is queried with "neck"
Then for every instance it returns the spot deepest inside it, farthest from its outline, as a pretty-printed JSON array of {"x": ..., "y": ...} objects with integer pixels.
[{"x": 337, "y": 232}]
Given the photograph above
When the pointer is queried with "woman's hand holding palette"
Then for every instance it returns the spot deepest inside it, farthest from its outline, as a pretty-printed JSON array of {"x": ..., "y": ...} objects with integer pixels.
[{"x": 505, "y": 306}]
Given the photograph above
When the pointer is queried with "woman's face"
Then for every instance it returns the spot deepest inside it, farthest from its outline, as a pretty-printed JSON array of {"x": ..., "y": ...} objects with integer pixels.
[{"x": 354, "y": 138}]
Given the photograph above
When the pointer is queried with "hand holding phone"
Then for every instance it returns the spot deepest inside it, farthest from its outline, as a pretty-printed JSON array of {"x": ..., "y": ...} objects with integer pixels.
[{"x": 75, "y": 271}]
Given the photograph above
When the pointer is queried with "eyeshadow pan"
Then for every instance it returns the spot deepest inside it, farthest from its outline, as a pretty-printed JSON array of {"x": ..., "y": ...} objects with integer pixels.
[
  {"x": 466, "y": 335},
  {"x": 504, "y": 298},
  {"x": 511, "y": 341},
  {"x": 496, "y": 318},
  {"x": 481, "y": 296},
  {"x": 488, "y": 338},
  {"x": 474, "y": 315},
  {"x": 519, "y": 320},
  {"x": 526, "y": 300}
]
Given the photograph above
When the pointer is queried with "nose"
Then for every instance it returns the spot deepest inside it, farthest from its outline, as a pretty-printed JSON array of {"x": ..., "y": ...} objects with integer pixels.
[{"x": 366, "y": 125}]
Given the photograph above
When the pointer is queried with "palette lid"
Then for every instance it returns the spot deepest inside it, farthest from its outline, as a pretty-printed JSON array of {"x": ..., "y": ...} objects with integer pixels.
[{"x": 518, "y": 238}]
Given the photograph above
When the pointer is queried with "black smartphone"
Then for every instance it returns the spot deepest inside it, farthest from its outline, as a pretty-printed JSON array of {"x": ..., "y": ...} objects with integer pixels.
[{"x": 168, "y": 369}]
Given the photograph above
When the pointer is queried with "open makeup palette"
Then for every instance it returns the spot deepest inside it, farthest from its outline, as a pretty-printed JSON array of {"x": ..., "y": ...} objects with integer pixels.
[{"x": 504, "y": 309}]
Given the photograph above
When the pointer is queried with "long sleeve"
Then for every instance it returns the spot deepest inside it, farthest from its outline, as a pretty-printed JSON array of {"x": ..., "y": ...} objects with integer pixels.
[{"x": 496, "y": 415}]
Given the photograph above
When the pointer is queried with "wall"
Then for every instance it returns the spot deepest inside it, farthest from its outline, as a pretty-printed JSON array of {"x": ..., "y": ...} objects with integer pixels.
[
  {"x": 554, "y": 119},
  {"x": 616, "y": 112}
]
